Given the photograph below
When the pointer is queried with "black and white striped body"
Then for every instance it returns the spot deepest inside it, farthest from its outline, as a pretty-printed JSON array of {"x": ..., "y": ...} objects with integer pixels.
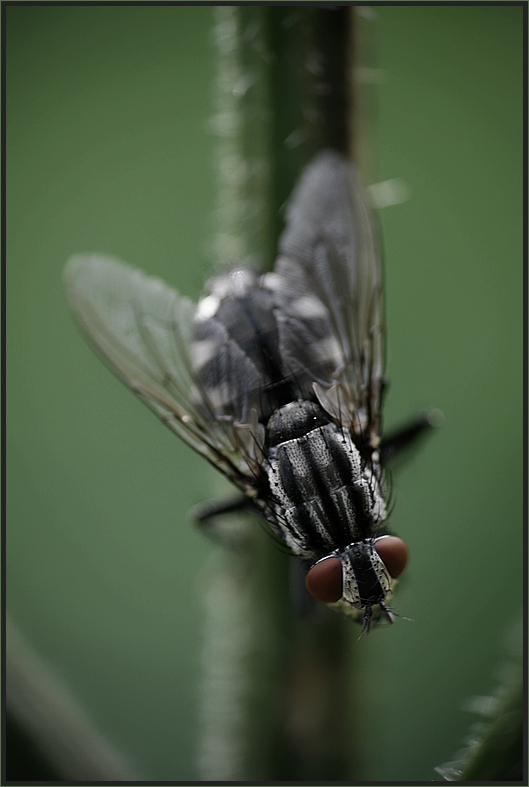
[
  {"x": 323, "y": 492},
  {"x": 319, "y": 493},
  {"x": 276, "y": 380},
  {"x": 259, "y": 344}
]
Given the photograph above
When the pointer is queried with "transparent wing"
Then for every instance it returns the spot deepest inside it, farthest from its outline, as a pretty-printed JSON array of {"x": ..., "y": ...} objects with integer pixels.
[
  {"x": 143, "y": 329},
  {"x": 329, "y": 248}
]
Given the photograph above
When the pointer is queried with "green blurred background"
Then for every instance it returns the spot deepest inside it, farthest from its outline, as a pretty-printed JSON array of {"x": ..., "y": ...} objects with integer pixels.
[{"x": 108, "y": 149}]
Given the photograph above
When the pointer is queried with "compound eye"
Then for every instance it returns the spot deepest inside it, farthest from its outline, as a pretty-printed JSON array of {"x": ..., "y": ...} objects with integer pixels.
[
  {"x": 394, "y": 554},
  {"x": 324, "y": 580}
]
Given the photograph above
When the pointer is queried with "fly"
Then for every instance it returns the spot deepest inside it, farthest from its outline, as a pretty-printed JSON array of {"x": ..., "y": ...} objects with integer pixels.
[{"x": 277, "y": 379}]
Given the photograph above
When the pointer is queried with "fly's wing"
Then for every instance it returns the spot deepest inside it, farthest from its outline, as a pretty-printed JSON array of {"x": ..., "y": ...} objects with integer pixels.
[
  {"x": 144, "y": 330},
  {"x": 329, "y": 249}
]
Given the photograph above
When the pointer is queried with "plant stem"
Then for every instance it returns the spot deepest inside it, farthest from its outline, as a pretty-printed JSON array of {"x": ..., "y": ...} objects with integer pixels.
[{"x": 278, "y": 673}]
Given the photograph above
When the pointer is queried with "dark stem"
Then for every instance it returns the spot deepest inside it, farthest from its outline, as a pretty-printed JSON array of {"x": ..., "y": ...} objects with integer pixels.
[{"x": 279, "y": 702}]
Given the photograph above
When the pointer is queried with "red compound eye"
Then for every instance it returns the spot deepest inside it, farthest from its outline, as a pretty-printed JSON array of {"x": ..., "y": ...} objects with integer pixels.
[
  {"x": 394, "y": 554},
  {"x": 324, "y": 580}
]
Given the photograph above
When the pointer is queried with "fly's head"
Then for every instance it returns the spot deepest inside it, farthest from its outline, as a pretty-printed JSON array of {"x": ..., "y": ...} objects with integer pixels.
[{"x": 359, "y": 580}]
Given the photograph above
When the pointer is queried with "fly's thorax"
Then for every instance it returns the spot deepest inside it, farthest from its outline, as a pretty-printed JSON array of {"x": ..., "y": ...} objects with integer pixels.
[
  {"x": 296, "y": 419},
  {"x": 324, "y": 495}
]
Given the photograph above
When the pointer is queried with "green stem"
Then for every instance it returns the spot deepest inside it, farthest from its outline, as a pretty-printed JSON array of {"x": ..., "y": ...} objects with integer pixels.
[{"x": 276, "y": 700}]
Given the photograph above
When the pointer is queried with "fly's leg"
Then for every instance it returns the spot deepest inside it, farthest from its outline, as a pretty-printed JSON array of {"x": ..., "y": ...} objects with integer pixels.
[
  {"x": 366, "y": 625},
  {"x": 213, "y": 508},
  {"x": 408, "y": 436},
  {"x": 213, "y": 520},
  {"x": 387, "y": 612}
]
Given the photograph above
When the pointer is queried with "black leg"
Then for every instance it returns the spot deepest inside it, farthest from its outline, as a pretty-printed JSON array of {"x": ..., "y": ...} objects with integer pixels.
[
  {"x": 409, "y": 435},
  {"x": 211, "y": 519},
  {"x": 214, "y": 508}
]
